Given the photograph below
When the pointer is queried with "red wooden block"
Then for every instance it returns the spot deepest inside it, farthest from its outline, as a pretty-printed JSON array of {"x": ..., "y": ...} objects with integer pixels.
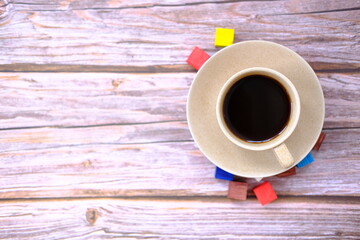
[
  {"x": 290, "y": 172},
  {"x": 197, "y": 58},
  {"x": 319, "y": 141},
  {"x": 237, "y": 190},
  {"x": 265, "y": 193}
]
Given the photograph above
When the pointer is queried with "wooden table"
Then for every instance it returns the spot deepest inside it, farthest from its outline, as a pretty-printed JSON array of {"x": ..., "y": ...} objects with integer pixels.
[{"x": 94, "y": 139}]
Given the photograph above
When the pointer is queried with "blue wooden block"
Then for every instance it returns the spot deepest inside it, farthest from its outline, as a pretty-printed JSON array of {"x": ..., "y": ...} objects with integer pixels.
[
  {"x": 307, "y": 160},
  {"x": 222, "y": 174}
]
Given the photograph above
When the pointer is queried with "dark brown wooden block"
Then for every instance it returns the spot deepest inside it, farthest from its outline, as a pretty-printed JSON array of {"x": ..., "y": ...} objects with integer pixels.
[
  {"x": 319, "y": 141},
  {"x": 237, "y": 190},
  {"x": 290, "y": 172}
]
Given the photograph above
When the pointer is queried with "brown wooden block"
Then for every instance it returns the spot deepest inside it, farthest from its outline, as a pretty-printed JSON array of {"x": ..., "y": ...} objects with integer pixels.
[
  {"x": 239, "y": 179},
  {"x": 290, "y": 172},
  {"x": 237, "y": 190},
  {"x": 319, "y": 141}
]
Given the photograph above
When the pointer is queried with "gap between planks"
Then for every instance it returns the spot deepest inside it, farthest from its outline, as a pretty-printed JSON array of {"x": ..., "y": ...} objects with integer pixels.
[
  {"x": 100, "y": 125},
  {"x": 144, "y": 6},
  {"x": 299, "y": 198},
  {"x": 135, "y": 123},
  {"x": 170, "y": 68},
  {"x": 183, "y": 4}
]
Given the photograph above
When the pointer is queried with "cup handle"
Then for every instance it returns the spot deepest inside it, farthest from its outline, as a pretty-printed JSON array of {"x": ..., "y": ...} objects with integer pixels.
[{"x": 283, "y": 155}]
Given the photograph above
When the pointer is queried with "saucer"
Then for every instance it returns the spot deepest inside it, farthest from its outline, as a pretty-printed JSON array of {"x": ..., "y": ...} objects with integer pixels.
[{"x": 201, "y": 107}]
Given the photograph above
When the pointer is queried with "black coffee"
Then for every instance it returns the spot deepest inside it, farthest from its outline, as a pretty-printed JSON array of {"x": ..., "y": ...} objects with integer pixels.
[{"x": 256, "y": 108}]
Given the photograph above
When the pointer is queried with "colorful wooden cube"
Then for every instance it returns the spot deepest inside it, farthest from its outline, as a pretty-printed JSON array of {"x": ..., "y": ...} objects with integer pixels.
[
  {"x": 265, "y": 193},
  {"x": 224, "y": 37},
  {"x": 237, "y": 190},
  {"x": 290, "y": 172},
  {"x": 197, "y": 58},
  {"x": 222, "y": 174},
  {"x": 319, "y": 141},
  {"x": 307, "y": 160}
]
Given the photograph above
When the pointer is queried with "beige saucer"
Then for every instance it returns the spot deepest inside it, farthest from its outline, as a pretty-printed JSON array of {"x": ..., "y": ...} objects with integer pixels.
[{"x": 201, "y": 107}]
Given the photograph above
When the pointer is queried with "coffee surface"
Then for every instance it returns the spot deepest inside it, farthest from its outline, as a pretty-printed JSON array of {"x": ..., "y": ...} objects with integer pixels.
[{"x": 256, "y": 108}]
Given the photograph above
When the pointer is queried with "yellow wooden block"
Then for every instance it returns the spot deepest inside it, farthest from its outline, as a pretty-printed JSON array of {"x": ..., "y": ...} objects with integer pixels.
[{"x": 224, "y": 37}]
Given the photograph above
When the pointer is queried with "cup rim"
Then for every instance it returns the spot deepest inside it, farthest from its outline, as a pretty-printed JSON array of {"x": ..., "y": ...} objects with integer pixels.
[{"x": 294, "y": 114}]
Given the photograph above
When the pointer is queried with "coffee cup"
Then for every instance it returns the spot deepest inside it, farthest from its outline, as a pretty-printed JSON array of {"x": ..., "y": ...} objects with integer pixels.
[{"x": 258, "y": 109}]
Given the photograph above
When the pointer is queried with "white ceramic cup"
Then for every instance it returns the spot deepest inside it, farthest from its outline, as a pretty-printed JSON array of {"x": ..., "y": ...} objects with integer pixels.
[{"x": 277, "y": 143}]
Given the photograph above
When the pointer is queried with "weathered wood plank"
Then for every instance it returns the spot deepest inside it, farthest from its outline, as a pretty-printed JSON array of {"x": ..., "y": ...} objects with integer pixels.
[
  {"x": 67, "y": 99},
  {"x": 342, "y": 99},
  {"x": 327, "y": 35},
  {"x": 42, "y": 138},
  {"x": 289, "y": 218},
  {"x": 294, "y": 6},
  {"x": 108, "y": 4},
  {"x": 61, "y": 164},
  {"x": 81, "y": 99}
]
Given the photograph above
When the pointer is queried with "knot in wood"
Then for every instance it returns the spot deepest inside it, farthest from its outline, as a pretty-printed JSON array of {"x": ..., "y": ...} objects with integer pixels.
[
  {"x": 92, "y": 215},
  {"x": 116, "y": 83},
  {"x": 5, "y": 9},
  {"x": 338, "y": 233}
]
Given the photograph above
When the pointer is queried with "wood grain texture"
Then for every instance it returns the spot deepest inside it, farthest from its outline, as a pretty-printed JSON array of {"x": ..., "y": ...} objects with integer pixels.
[
  {"x": 83, "y": 99},
  {"x": 294, "y": 6},
  {"x": 210, "y": 218},
  {"x": 94, "y": 142},
  {"x": 105, "y": 4},
  {"x": 49, "y": 164},
  {"x": 129, "y": 34},
  {"x": 68, "y": 99}
]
